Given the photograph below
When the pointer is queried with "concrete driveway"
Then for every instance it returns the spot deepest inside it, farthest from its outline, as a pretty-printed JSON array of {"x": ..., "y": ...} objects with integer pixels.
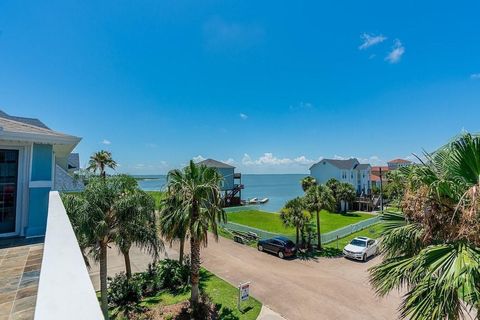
[{"x": 316, "y": 289}]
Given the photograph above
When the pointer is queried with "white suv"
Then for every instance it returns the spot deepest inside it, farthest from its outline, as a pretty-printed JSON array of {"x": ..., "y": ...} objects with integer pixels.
[{"x": 361, "y": 248}]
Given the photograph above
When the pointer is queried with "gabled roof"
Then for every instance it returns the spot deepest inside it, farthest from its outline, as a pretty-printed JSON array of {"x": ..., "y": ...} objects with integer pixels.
[
  {"x": 73, "y": 161},
  {"x": 215, "y": 164},
  {"x": 31, "y": 121},
  {"x": 340, "y": 164},
  {"x": 362, "y": 166},
  {"x": 377, "y": 168},
  {"x": 399, "y": 161},
  {"x": 28, "y": 130}
]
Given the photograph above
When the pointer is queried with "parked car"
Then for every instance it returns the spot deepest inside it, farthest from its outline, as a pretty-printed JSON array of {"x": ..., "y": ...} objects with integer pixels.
[
  {"x": 361, "y": 248},
  {"x": 281, "y": 246}
]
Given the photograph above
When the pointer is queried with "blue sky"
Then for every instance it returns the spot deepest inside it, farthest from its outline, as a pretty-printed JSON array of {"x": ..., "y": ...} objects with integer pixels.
[{"x": 269, "y": 86}]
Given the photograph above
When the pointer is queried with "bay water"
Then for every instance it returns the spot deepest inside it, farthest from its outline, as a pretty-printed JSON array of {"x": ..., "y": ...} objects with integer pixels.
[{"x": 278, "y": 188}]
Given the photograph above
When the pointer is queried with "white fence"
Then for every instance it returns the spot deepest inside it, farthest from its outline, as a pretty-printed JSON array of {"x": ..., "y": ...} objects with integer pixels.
[
  {"x": 326, "y": 237},
  {"x": 65, "y": 290}
]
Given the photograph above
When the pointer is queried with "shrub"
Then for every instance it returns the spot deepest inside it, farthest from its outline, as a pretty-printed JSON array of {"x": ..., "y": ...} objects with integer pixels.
[
  {"x": 125, "y": 295},
  {"x": 172, "y": 275}
]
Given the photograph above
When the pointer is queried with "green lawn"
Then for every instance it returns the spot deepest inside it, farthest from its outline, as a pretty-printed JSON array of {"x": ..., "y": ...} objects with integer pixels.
[
  {"x": 221, "y": 293},
  {"x": 158, "y": 196},
  {"x": 271, "y": 221}
]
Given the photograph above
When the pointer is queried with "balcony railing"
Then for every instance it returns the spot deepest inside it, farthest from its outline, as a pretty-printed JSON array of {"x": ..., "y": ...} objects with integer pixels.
[{"x": 65, "y": 290}]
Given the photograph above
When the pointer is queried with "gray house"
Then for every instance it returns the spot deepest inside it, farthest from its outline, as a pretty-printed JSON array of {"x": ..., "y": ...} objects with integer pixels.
[
  {"x": 351, "y": 171},
  {"x": 232, "y": 182}
]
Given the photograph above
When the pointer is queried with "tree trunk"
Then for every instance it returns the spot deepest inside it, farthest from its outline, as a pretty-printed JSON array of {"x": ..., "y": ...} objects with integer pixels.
[
  {"x": 195, "y": 271},
  {"x": 181, "y": 251},
  {"x": 296, "y": 243},
  {"x": 128, "y": 265},
  {"x": 319, "y": 239},
  {"x": 195, "y": 260},
  {"x": 103, "y": 279}
]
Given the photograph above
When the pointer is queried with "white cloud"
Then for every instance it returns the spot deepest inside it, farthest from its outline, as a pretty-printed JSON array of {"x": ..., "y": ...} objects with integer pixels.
[
  {"x": 268, "y": 159},
  {"x": 151, "y": 145},
  {"x": 397, "y": 52},
  {"x": 243, "y": 116},
  {"x": 106, "y": 142},
  {"x": 475, "y": 76},
  {"x": 370, "y": 40},
  {"x": 229, "y": 161},
  {"x": 198, "y": 158}
]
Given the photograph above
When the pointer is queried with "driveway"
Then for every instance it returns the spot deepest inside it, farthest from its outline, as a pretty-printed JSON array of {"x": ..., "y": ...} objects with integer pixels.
[{"x": 316, "y": 289}]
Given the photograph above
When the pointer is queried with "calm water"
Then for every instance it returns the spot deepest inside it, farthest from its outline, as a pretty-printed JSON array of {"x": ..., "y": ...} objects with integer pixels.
[{"x": 279, "y": 188}]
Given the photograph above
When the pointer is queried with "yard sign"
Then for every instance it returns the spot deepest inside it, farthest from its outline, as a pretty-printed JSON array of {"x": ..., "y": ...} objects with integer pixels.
[{"x": 243, "y": 293}]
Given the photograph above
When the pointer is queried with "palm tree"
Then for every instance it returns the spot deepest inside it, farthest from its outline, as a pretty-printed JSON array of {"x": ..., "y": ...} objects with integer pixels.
[
  {"x": 333, "y": 184},
  {"x": 136, "y": 223},
  {"x": 295, "y": 215},
  {"x": 308, "y": 182},
  {"x": 345, "y": 195},
  {"x": 173, "y": 223},
  {"x": 105, "y": 213},
  {"x": 432, "y": 248},
  {"x": 198, "y": 190},
  {"x": 100, "y": 161},
  {"x": 319, "y": 198}
]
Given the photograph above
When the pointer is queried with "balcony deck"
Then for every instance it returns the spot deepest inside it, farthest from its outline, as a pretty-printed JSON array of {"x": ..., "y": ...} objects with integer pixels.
[{"x": 20, "y": 263}]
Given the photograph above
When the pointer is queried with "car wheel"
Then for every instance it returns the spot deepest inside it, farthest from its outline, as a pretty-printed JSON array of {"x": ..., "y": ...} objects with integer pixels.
[
  {"x": 260, "y": 247},
  {"x": 364, "y": 257},
  {"x": 281, "y": 255}
]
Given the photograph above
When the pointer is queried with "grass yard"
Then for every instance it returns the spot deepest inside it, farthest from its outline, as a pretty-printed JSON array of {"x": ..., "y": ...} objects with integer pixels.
[
  {"x": 158, "y": 196},
  {"x": 221, "y": 293},
  {"x": 271, "y": 221}
]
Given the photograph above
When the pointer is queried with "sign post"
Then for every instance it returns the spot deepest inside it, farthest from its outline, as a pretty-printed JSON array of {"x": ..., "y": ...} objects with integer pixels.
[{"x": 243, "y": 293}]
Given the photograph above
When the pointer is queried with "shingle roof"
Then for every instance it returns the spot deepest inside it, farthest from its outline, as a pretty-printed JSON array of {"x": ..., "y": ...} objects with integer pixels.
[
  {"x": 215, "y": 164},
  {"x": 28, "y": 131},
  {"x": 31, "y": 121},
  {"x": 342, "y": 164},
  {"x": 362, "y": 166},
  {"x": 399, "y": 161}
]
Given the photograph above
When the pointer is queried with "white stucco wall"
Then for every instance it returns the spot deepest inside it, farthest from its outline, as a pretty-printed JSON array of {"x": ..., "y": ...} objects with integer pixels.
[{"x": 65, "y": 290}]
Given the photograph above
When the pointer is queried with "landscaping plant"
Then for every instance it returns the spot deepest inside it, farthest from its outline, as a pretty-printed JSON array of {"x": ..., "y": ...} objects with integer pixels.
[
  {"x": 197, "y": 189},
  {"x": 431, "y": 250}
]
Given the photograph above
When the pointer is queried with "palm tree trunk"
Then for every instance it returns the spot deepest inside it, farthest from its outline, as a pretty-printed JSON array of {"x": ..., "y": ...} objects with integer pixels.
[
  {"x": 182, "y": 246},
  {"x": 319, "y": 239},
  {"x": 128, "y": 265},
  {"x": 103, "y": 279},
  {"x": 195, "y": 271}
]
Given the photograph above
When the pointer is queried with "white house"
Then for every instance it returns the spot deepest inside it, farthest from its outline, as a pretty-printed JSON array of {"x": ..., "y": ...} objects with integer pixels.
[{"x": 350, "y": 171}]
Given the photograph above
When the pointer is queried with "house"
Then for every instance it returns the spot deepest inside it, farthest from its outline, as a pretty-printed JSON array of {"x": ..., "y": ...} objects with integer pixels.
[
  {"x": 350, "y": 171},
  {"x": 31, "y": 157},
  {"x": 398, "y": 163},
  {"x": 375, "y": 175},
  {"x": 232, "y": 182}
]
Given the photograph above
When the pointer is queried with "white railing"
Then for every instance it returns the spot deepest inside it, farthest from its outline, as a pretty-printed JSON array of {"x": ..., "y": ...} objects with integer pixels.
[{"x": 65, "y": 290}]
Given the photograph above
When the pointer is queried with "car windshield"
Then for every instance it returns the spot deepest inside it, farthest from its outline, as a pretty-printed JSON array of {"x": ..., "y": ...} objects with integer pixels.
[{"x": 358, "y": 243}]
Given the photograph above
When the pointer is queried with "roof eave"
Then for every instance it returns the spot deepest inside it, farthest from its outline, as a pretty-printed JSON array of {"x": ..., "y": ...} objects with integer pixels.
[{"x": 40, "y": 138}]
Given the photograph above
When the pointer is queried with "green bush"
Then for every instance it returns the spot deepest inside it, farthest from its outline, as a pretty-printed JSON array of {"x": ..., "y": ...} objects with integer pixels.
[
  {"x": 124, "y": 295},
  {"x": 173, "y": 276}
]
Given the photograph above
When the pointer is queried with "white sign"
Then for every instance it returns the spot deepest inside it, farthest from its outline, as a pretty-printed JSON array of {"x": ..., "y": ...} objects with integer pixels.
[{"x": 243, "y": 293}]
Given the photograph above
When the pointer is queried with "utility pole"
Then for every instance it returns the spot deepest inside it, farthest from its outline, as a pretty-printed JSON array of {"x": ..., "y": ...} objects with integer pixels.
[{"x": 381, "y": 190}]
